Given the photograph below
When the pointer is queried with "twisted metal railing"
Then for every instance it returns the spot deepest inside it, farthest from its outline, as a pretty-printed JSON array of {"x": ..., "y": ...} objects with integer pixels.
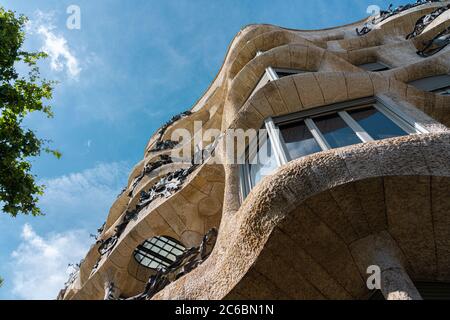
[
  {"x": 164, "y": 145},
  {"x": 426, "y": 20},
  {"x": 149, "y": 168},
  {"x": 439, "y": 42},
  {"x": 385, "y": 14}
]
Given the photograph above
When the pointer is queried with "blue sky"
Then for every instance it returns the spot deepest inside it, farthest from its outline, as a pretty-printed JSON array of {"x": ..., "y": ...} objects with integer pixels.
[{"x": 131, "y": 66}]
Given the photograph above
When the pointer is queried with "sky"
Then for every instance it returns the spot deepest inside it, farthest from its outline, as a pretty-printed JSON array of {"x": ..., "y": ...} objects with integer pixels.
[{"x": 129, "y": 68}]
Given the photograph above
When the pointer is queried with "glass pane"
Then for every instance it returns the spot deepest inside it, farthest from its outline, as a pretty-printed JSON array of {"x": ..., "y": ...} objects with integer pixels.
[
  {"x": 433, "y": 83},
  {"x": 156, "y": 250},
  {"x": 336, "y": 131},
  {"x": 171, "y": 257},
  {"x": 263, "y": 163},
  {"x": 299, "y": 141},
  {"x": 443, "y": 92},
  {"x": 376, "y": 123},
  {"x": 139, "y": 257},
  {"x": 148, "y": 245}
]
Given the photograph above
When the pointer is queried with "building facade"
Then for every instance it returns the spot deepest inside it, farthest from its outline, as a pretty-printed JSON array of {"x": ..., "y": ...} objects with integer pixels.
[{"x": 354, "y": 192}]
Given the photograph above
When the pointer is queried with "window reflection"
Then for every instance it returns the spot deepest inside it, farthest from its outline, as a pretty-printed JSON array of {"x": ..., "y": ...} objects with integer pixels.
[
  {"x": 335, "y": 131},
  {"x": 281, "y": 73},
  {"x": 299, "y": 140},
  {"x": 376, "y": 123},
  {"x": 262, "y": 163}
]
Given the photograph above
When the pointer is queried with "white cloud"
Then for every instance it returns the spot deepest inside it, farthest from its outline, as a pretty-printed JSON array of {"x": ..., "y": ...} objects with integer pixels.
[
  {"x": 40, "y": 264},
  {"x": 58, "y": 50},
  {"x": 55, "y": 45},
  {"x": 92, "y": 189}
]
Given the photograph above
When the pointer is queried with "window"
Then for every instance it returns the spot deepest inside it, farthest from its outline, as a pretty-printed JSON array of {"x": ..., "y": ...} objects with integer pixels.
[
  {"x": 376, "y": 123},
  {"x": 159, "y": 252},
  {"x": 335, "y": 131},
  {"x": 437, "y": 84},
  {"x": 260, "y": 162},
  {"x": 374, "y": 66},
  {"x": 281, "y": 73},
  {"x": 299, "y": 140},
  {"x": 298, "y": 135},
  {"x": 272, "y": 74}
]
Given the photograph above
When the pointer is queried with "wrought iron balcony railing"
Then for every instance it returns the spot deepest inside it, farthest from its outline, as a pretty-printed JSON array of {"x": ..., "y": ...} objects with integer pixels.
[
  {"x": 436, "y": 44},
  {"x": 385, "y": 14},
  {"x": 426, "y": 20}
]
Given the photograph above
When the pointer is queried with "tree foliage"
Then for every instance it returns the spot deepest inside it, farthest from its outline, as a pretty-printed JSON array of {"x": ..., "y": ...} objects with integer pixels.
[{"x": 20, "y": 95}]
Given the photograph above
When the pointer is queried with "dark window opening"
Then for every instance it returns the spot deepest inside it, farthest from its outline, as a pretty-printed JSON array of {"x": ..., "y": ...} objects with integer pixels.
[
  {"x": 437, "y": 84},
  {"x": 374, "y": 66}
]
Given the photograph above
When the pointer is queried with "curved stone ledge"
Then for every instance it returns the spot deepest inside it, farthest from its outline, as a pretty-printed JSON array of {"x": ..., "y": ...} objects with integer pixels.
[
  {"x": 274, "y": 217},
  {"x": 183, "y": 216}
]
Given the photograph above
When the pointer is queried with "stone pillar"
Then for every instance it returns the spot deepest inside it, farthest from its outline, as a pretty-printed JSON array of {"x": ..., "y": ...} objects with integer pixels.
[{"x": 381, "y": 252}]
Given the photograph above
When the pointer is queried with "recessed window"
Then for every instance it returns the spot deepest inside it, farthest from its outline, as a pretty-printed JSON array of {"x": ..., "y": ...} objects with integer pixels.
[
  {"x": 298, "y": 140},
  {"x": 438, "y": 84},
  {"x": 260, "y": 162},
  {"x": 158, "y": 253},
  {"x": 298, "y": 135},
  {"x": 281, "y": 73},
  {"x": 374, "y": 66},
  {"x": 377, "y": 124},
  {"x": 272, "y": 74}
]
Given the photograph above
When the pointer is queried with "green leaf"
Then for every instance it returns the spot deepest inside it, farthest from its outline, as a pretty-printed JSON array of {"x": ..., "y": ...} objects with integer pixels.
[{"x": 20, "y": 96}]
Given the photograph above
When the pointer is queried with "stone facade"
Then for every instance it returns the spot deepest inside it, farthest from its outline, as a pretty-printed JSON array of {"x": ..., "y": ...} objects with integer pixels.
[{"x": 310, "y": 230}]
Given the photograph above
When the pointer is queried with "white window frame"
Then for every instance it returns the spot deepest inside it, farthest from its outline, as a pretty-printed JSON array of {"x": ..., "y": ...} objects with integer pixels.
[{"x": 405, "y": 122}]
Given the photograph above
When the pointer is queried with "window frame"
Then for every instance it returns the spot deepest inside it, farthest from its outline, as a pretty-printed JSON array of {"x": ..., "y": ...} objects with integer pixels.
[
  {"x": 279, "y": 149},
  {"x": 153, "y": 256},
  {"x": 433, "y": 84},
  {"x": 270, "y": 74}
]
